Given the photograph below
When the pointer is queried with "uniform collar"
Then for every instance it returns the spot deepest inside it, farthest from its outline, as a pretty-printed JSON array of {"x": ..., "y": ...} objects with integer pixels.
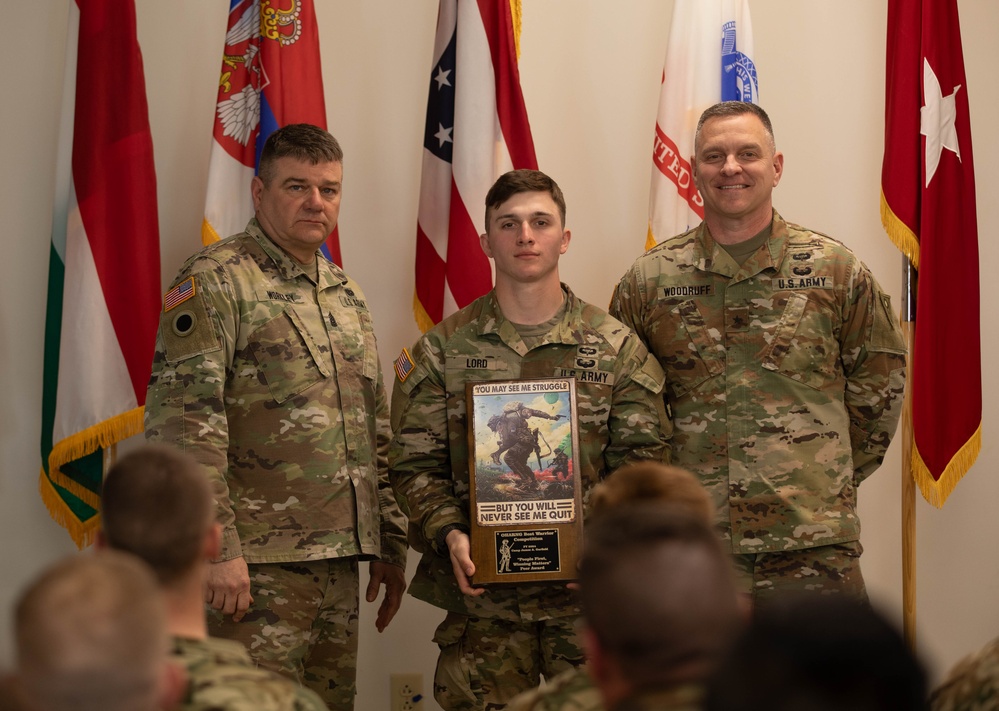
[
  {"x": 329, "y": 273},
  {"x": 707, "y": 255},
  {"x": 491, "y": 321}
]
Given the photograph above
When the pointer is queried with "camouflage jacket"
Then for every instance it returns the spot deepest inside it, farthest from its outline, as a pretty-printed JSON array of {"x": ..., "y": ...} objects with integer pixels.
[
  {"x": 621, "y": 418},
  {"x": 572, "y": 690},
  {"x": 273, "y": 383},
  {"x": 784, "y": 377},
  {"x": 973, "y": 683},
  {"x": 222, "y": 677}
]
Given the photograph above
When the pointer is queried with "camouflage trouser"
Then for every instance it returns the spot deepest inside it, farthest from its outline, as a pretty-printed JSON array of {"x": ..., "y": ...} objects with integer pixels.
[
  {"x": 302, "y": 623},
  {"x": 485, "y": 663},
  {"x": 825, "y": 569}
]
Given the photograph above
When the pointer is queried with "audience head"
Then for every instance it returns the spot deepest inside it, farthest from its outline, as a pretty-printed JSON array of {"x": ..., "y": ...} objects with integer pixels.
[
  {"x": 658, "y": 597},
  {"x": 90, "y": 635},
  {"x": 652, "y": 481},
  {"x": 157, "y": 505},
  {"x": 818, "y": 653}
]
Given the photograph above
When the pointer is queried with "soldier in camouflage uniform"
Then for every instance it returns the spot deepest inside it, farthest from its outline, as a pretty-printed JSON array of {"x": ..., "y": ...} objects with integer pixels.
[
  {"x": 973, "y": 683},
  {"x": 266, "y": 371},
  {"x": 156, "y": 504},
  {"x": 784, "y": 361},
  {"x": 497, "y": 642}
]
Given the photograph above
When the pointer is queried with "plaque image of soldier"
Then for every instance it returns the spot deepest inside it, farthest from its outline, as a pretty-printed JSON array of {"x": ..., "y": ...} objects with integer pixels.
[{"x": 517, "y": 441}]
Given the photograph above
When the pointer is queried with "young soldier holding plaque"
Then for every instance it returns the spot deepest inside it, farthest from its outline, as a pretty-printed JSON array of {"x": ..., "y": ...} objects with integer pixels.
[{"x": 500, "y": 639}]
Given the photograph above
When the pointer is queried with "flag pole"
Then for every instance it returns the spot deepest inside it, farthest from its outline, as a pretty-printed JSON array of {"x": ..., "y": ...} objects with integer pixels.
[{"x": 909, "y": 278}]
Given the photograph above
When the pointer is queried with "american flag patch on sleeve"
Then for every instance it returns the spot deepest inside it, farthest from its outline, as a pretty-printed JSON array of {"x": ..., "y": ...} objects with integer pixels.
[
  {"x": 179, "y": 294},
  {"x": 404, "y": 365}
]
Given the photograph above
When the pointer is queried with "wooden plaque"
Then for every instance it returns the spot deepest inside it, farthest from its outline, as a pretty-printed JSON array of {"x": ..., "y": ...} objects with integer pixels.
[{"x": 526, "y": 504}]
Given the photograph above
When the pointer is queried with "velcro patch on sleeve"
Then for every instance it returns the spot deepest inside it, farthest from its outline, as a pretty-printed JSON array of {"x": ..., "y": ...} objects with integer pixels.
[
  {"x": 179, "y": 294},
  {"x": 404, "y": 365}
]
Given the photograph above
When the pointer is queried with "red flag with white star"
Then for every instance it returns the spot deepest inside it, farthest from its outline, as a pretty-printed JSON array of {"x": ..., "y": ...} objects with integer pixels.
[{"x": 928, "y": 210}]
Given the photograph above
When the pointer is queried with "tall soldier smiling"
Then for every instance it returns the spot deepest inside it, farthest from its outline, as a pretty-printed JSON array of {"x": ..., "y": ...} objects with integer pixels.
[{"x": 785, "y": 364}]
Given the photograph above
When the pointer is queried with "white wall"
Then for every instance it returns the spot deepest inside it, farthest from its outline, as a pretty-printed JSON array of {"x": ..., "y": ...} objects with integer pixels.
[{"x": 590, "y": 72}]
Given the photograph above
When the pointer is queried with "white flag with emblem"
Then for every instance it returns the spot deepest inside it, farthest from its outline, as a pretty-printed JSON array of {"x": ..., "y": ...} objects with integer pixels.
[{"x": 709, "y": 58}]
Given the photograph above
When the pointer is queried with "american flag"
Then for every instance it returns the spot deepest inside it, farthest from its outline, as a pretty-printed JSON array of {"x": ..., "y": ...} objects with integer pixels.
[
  {"x": 476, "y": 130},
  {"x": 179, "y": 294}
]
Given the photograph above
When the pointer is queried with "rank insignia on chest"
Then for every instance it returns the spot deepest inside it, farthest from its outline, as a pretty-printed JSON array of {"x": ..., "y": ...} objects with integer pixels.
[
  {"x": 404, "y": 365},
  {"x": 179, "y": 294}
]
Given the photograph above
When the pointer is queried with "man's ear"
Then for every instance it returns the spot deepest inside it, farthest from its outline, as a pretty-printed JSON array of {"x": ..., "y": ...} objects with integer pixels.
[
  {"x": 173, "y": 686},
  {"x": 101, "y": 540},
  {"x": 484, "y": 243}
]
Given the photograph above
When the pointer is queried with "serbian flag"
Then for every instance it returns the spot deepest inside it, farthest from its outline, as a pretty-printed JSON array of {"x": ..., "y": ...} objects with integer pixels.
[
  {"x": 928, "y": 210},
  {"x": 271, "y": 76},
  {"x": 476, "y": 130},
  {"x": 709, "y": 59},
  {"x": 104, "y": 264}
]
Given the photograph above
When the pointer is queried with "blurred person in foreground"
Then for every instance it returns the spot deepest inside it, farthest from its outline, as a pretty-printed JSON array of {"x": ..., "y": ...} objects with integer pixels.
[
  {"x": 811, "y": 652},
  {"x": 157, "y": 505},
  {"x": 574, "y": 690},
  {"x": 90, "y": 635}
]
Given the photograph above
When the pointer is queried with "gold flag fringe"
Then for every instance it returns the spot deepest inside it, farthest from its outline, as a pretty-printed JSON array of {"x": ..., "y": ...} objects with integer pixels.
[
  {"x": 899, "y": 233},
  {"x": 423, "y": 319},
  {"x": 937, "y": 491},
  {"x": 82, "y": 532},
  {"x": 516, "y": 13},
  {"x": 80, "y": 444},
  {"x": 208, "y": 233},
  {"x": 650, "y": 239}
]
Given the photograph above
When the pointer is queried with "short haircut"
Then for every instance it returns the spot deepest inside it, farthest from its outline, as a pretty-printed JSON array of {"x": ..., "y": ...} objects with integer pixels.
[
  {"x": 812, "y": 652},
  {"x": 157, "y": 504},
  {"x": 91, "y": 635},
  {"x": 523, "y": 181},
  {"x": 727, "y": 109},
  {"x": 658, "y": 592},
  {"x": 298, "y": 140},
  {"x": 652, "y": 481}
]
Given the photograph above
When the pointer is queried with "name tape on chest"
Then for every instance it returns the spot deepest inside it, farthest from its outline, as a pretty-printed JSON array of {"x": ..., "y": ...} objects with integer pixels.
[
  {"x": 600, "y": 377},
  {"x": 475, "y": 363},
  {"x": 808, "y": 282},
  {"x": 686, "y": 291}
]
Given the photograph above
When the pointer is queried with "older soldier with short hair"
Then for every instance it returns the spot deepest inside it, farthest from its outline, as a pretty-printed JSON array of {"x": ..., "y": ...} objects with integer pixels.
[
  {"x": 785, "y": 364},
  {"x": 499, "y": 642},
  {"x": 266, "y": 371}
]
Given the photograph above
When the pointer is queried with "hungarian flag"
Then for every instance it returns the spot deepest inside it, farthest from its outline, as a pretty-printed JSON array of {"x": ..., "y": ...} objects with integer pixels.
[
  {"x": 476, "y": 130},
  {"x": 928, "y": 210},
  {"x": 104, "y": 265},
  {"x": 709, "y": 59},
  {"x": 271, "y": 76}
]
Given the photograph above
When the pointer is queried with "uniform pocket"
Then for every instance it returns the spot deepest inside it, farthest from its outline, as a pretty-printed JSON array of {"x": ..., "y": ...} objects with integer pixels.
[
  {"x": 286, "y": 355},
  {"x": 804, "y": 348},
  {"x": 686, "y": 349}
]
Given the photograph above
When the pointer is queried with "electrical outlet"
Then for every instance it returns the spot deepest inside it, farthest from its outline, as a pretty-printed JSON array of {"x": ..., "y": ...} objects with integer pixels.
[{"x": 406, "y": 692}]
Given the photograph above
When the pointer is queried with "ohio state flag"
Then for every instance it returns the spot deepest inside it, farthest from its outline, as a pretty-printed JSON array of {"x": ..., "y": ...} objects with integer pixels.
[
  {"x": 476, "y": 130},
  {"x": 271, "y": 76},
  {"x": 928, "y": 210},
  {"x": 709, "y": 58}
]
